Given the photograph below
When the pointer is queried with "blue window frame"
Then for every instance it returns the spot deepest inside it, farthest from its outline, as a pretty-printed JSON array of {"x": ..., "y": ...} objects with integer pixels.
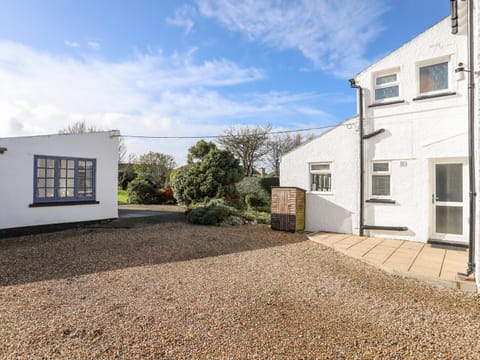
[{"x": 63, "y": 179}]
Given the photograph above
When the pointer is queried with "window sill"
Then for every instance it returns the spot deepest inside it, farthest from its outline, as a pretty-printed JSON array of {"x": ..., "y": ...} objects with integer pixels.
[
  {"x": 386, "y": 103},
  {"x": 321, "y": 192},
  {"x": 381, "y": 201},
  {"x": 63, "y": 203},
  {"x": 432, "y": 96}
]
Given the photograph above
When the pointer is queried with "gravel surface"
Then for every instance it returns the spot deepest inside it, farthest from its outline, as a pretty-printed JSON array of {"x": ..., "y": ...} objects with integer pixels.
[{"x": 174, "y": 291}]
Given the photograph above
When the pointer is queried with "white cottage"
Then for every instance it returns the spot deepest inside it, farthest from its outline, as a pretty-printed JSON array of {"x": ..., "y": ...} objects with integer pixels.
[
  {"x": 414, "y": 141},
  {"x": 56, "y": 179}
]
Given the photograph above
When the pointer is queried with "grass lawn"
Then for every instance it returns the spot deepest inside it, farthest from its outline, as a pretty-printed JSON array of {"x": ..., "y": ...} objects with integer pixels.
[{"x": 122, "y": 197}]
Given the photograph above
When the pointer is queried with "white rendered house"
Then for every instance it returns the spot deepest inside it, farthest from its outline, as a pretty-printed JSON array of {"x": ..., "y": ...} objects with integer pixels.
[
  {"x": 415, "y": 153},
  {"x": 56, "y": 179}
]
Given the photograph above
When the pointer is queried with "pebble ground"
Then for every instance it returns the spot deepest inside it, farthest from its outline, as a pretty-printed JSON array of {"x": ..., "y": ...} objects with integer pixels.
[{"x": 177, "y": 291}]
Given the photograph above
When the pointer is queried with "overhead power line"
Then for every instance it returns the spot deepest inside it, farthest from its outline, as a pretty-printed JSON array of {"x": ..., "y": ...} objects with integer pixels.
[{"x": 222, "y": 136}]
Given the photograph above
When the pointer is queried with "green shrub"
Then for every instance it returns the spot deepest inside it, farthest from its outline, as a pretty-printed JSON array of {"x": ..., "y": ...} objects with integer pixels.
[
  {"x": 257, "y": 217},
  {"x": 257, "y": 185},
  {"x": 256, "y": 202},
  {"x": 216, "y": 212},
  {"x": 141, "y": 191}
]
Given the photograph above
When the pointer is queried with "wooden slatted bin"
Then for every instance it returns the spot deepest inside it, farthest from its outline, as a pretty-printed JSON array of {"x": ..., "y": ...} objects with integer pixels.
[{"x": 288, "y": 209}]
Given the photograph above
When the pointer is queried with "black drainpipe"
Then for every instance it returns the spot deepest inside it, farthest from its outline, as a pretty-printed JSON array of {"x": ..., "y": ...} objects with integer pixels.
[
  {"x": 471, "y": 143},
  {"x": 362, "y": 166}
]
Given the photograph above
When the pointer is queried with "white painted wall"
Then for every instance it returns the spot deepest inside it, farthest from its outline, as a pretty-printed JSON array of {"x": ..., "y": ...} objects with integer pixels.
[
  {"x": 335, "y": 211},
  {"x": 16, "y": 178},
  {"x": 416, "y": 133}
]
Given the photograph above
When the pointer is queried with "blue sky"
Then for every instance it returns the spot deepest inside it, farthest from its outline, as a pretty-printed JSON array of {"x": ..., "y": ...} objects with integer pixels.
[{"x": 175, "y": 68}]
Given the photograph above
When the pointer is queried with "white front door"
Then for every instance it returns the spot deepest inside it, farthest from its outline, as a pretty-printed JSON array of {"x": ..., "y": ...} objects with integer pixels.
[{"x": 450, "y": 201}]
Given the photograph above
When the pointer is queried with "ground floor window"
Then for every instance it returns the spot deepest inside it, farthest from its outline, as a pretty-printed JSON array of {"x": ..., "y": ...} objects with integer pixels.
[
  {"x": 63, "y": 179},
  {"x": 381, "y": 179},
  {"x": 320, "y": 177}
]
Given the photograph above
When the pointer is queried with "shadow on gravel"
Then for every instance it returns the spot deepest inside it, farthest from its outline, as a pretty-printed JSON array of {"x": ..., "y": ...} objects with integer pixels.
[{"x": 124, "y": 243}]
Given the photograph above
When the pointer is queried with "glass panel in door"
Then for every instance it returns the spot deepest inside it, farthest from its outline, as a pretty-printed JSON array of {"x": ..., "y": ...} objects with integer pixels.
[{"x": 449, "y": 199}]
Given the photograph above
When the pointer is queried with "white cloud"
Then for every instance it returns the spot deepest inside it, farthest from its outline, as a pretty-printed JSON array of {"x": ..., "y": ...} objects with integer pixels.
[
  {"x": 72, "y": 44},
  {"x": 94, "y": 45},
  {"x": 183, "y": 18},
  {"x": 332, "y": 34},
  {"x": 150, "y": 94}
]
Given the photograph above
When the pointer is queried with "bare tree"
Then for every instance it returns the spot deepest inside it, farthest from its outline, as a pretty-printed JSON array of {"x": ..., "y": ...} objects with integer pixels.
[
  {"x": 155, "y": 167},
  {"x": 248, "y": 144},
  {"x": 80, "y": 127},
  {"x": 280, "y": 145}
]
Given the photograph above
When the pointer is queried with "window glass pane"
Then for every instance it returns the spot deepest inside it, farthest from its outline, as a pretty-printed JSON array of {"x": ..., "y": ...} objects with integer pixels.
[
  {"x": 40, "y": 172},
  {"x": 71, "y": 173},
  {"x": 50, "y": 173},
  {"x": 50, "y": 163},
  {"x": 41, "y": 193},
  {"x": 321, "y": 182},
  {"x": 63, "y": 164},
  {"x": 50, "y": 182},
  {"x": 89, "y": 164},
  {"x": 386, "y": 79},
  {"x": 41, "y": 183},
  {"x": 317, "y": 167},
  {"x": 49, "y": 192},
  {"x": 70, "y": 182},
  {"x": 70, "y": 192},
  {"x": 380, "y": 166},
  {"x": 449, "y": 219},
  {"x": 62, "y": 183},
  {"x": 62, "y": 192},
  {"x": 81, "y": 164},
  {"x": 40, "y": 162},
  {"x": 449, "y": 182},
  {"x": 381, "y": 185},
  {"x": 434, "y": 77},
  {"x": 71, "y": 164},
  {"x": 386, "y": 92}
]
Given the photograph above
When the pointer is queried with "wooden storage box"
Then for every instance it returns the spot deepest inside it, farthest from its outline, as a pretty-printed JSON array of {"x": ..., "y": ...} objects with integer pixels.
[{"x": 288, "y": 209}]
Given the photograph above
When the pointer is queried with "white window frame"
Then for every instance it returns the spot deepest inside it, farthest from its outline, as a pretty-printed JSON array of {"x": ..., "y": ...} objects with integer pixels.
[
  {"x": 430, "y": 63},
  {"x": 386, "y": 85},
  {"x": 381, "y": 173},
  {"x": 311, "y": 173}
]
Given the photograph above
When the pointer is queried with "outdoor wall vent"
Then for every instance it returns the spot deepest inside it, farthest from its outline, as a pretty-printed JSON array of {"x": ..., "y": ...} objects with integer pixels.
[
  {"x": 403, "y": 163},
  {"x": 3, "y": 149}
]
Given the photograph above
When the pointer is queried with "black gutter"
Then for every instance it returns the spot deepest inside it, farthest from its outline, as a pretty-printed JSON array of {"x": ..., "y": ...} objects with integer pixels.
[
  {"x": 375, "y": 133},
  {"x": 391, "y": 228},
  {"x": 471, "y": 143},
  {"x": 362, "y": 166}
]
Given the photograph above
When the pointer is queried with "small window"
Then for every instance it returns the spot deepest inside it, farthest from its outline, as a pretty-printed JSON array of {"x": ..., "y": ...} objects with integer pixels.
[
  {"x": 63, "y": 179},
  {"x": 381, "y": 179},
  {"x": 433, "y": 78},
  {"x": 387, "y": 87},
  {"x": 320, "y": 177}
]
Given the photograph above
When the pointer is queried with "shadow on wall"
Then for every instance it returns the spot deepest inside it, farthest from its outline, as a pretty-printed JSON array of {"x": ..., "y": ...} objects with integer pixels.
[{"x": 324, "y": 215}]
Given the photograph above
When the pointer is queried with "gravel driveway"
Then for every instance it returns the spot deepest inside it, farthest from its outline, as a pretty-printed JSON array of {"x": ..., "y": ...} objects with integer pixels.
[{"x": 174, "y": 290}]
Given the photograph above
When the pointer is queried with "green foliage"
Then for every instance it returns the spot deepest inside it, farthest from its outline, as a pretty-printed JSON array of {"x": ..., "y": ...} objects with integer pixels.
[
  {"x": 257, "y": 202},
  {"x": 257, "y": 185},
  {"x": 122, "y": 197},
  {"x": 207, "y": 176},
  {"x": 216, "y": 212},
  {"x": 126, "y": 173},
  {"x": 154, "y": 167},
  {"x": 257, "y": 217},
  {"x": 142, "y": 191}
]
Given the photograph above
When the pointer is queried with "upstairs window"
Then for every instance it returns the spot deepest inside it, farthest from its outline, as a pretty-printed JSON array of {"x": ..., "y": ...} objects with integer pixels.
[
  {"x": 320, "y": 177},
  {"x": 387, "y": 87},
  {"x": 381, "y": 179},
  {"x": 60, "y": 179},
  {"x": 433, "y": 78}
]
